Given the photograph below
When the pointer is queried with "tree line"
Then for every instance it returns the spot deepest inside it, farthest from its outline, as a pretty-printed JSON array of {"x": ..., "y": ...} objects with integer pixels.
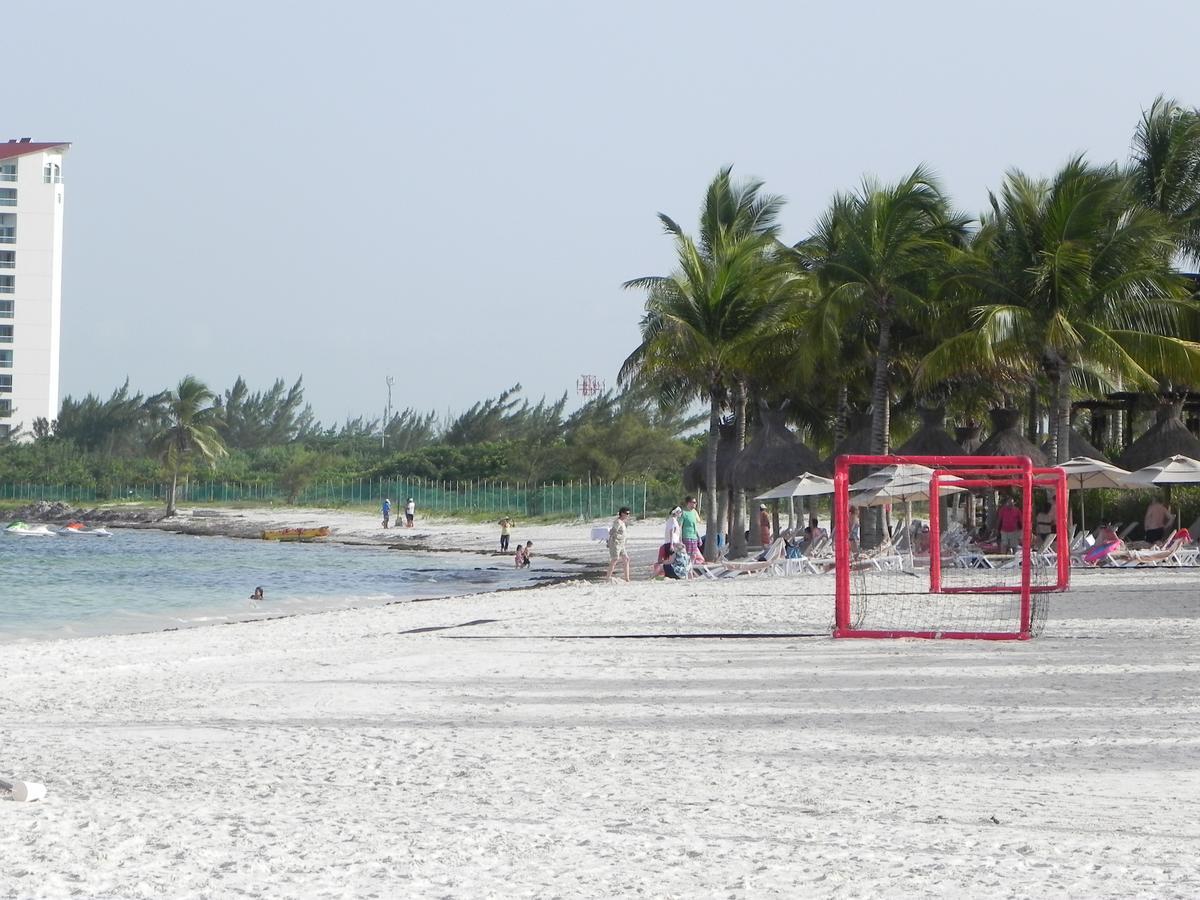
[
  {"x": 273, "y": 436},
  {"x": 1063, "y": 285}
]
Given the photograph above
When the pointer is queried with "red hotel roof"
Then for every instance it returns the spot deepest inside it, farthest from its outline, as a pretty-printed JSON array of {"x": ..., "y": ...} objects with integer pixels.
[{"x": 14, "y": 148}]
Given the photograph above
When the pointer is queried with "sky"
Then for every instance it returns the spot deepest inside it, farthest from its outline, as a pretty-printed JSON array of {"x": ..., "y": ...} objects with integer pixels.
[{"x": 452, "y": 194}]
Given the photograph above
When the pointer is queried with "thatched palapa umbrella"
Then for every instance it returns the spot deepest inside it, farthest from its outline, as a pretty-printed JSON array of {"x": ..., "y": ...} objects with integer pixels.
[
  {"x": 931, "y": 438},
  {"x": 968, "y": 437},
  {"x": 1166, "y": 437},
  {"x": 1080, "y": 446},
  {"x": 772, "y": 456},
  {"x": 1006, "y": 438},
  {"x": 694, "y": 480},
  {"x": 856, "y": 442}
]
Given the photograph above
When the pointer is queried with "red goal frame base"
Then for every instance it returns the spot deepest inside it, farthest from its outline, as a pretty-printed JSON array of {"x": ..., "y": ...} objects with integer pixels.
[{"x": 971, "y": 471}]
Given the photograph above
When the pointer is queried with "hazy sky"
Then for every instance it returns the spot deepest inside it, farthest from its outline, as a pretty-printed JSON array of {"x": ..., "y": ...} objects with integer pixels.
[{"x": 453, "y": 193}]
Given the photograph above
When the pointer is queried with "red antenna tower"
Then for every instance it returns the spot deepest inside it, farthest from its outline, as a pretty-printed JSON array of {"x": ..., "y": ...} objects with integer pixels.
[{"x": 589, "y": 385}]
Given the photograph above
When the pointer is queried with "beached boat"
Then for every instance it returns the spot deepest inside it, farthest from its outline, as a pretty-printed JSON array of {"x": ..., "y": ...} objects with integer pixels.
[
  {"x": 24, "y": 529},
  {"x": 296, "y": 534}
]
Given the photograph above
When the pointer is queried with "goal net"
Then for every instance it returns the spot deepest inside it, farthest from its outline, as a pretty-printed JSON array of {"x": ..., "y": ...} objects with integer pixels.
[{"x": 947, "y": 546}]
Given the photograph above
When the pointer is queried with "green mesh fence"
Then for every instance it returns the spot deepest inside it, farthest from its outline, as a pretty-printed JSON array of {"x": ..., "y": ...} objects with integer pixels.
[{"x": 563, "y": 499}]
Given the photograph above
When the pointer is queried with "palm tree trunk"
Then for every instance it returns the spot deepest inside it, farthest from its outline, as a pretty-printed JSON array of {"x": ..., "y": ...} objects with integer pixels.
[
  {"x": 737, "y": 535},
  {"x": 710, "y": 473},
  {"x": 1033, "y": 424},
  {"x": 842, "y": 415},
  {"x": 1062, "y": 413},
  {"x": 871, "y": 523},
  {"x": 881, "y": 412},
  {"x": 171, "y": 494}
]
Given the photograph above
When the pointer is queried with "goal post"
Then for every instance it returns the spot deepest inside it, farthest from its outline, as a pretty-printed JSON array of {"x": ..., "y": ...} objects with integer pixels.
[{"x": 936, "y": 581}]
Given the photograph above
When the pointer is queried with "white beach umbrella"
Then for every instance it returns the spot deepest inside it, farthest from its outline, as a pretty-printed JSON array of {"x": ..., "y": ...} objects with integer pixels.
[
  {"x": 806, "y": 485},
  {"x": 1172, "y": 470},
  {"x": 905, "y": 482},
  {"x": 1084, "y": 473},
  {"x": 1166, "y": 472}
]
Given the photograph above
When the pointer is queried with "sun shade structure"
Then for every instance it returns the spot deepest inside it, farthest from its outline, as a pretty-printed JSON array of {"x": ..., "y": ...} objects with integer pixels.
[
  {"x": 807, "y": 485},
  {"x": 773, "y": 456},
  {"x": 856, "y": 442},
  {"x": 1006, "y": 438},
  {"x": 931, "y": 439},
  {"x": 1080, "y": 447},
  {"x": 1166, "y": 437},
  {"x": 904, "y": 481},
  {"x": 694, "y": 473},
  {"x": 1084, "y": 473},
  {"x": 1172, "y": 470}
]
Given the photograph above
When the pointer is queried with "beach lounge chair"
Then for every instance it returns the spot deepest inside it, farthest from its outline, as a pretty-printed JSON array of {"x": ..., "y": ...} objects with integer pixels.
[
  {"x": 1161, "y": 556},
  {"x": 771, "y": 559}
]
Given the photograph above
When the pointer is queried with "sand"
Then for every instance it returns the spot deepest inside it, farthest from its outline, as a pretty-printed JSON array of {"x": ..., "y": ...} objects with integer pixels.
[{"x": 588, "y": 739}]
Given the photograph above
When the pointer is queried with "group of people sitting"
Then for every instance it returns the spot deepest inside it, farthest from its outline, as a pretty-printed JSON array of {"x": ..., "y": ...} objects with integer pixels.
[{"x": 682, "y": 549}]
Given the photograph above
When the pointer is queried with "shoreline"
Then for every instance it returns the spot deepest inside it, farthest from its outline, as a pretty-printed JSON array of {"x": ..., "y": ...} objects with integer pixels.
[{"x": 566, "y": 543}]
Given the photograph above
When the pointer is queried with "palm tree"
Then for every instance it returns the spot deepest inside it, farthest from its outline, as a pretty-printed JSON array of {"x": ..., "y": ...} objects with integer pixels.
[
  {"x": 1166, "y": 169},
  {"x": 701, "y": 321},
  {"x": 191, "y": 428},
  {"x": 1072, "y": 279},
  {"x": 877, "y": 254}
]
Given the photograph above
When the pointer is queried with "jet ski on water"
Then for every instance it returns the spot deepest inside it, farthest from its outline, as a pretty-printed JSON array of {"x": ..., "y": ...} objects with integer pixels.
[
  {"x": 24, "y": 529},
  {"x": 76, "y": 527}
]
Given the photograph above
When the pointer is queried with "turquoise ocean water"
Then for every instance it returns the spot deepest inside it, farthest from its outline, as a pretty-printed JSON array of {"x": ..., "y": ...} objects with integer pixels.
[{"x": 137, "y": 580}]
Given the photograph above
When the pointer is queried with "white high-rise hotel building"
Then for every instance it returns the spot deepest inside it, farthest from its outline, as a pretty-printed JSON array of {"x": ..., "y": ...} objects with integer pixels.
[{"x": 31, "y": 239}]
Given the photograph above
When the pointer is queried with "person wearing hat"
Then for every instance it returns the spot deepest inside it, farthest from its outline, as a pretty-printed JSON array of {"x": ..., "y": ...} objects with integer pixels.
[
  {"x": 671, "y": 532},
  {"x": 672, "y": 536},
  {"x": 764, "y": 525}
]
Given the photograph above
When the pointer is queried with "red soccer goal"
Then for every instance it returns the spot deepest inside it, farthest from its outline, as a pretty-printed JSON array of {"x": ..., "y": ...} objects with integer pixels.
[{"x": 938, "y": 580}]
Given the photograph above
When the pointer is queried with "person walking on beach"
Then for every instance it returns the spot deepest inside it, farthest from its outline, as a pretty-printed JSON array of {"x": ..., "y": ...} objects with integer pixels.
[
  {"x": 506, "y": 526},
  {"x": 764, "y": 525},
  {"x": 410, "y": 512},
  {"x": 689, "y": 527},
  {"x": 387, "y": 511},
  {"x": 616, "y": 543}
]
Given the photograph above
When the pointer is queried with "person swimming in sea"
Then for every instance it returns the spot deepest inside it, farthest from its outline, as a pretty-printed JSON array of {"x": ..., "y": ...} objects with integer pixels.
[{"x": 258, "y": 595}]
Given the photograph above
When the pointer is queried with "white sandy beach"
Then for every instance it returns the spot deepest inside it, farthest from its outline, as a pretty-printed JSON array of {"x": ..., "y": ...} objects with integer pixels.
[{"x": 602, "y": 740}]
